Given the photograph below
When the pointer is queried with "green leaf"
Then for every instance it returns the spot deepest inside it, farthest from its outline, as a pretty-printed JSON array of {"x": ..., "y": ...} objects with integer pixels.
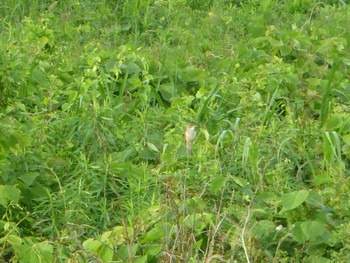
[
  {"x": 316, "y": 259},
  {"x": 293, "y": 200},
  {"x": 159, "y": 231},
  {"x": 346, "y": 139},
  {"x": 217, "y": 183},
  {"x": 155, "y": 234},
  {"x": 323, "y": 178},
  {"x": 315, "y": 232},
  {"x": 9, "y": 193},
  {"x": 153, "y": 249},
  {"x": 264, "y": 230},
  {"x": 275, "y": 43},
  {"x": 152, "y": 146},
  {"x": 14, "y": 240},
  {"x": 314, "y": 199},
  {"x": 346, "y": 126},
  {"x": 167, "y": 91},
  {"x": 44, "y": 251},
  {"x": 285, "y": 50},
  {"x": 192, "y": 74},
  {"x": 260, "y": 213},
  {"x": 312, "y": 231},
  {"x": 133, "y": 68},
  {"x": 297, "y": 233},
  {"x": 142, "y": 259},
  {"x": 240, "y": 181},
  {"x": 92, "y": 245},
  {"x": 334, "y": 122},
  {"x": 106, "y": 252},
  {"x": 66, "y": 106},
  {"x": 27, "y": 254},
  {"x": 123, "y": 252},
  {"x": 28, "y": 178},
  {"x": 38, "y": 76}
]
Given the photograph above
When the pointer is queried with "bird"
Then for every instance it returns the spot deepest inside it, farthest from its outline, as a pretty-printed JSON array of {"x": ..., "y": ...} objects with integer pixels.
[{"x": 190, "y": 134}]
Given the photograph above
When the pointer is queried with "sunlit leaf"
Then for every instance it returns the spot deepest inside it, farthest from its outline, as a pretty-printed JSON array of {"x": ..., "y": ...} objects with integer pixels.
[
  {"x": 312, "y": 229},
  {"x": 9, "y": 193},
  {"x": 142, "y": 259},
  {"x": 152, "y": 146},
  {"x": 14, "y": 240},
  {"x": 293, "y": 200}
]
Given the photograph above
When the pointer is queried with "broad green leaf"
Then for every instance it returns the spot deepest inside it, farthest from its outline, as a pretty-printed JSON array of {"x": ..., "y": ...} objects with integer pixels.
[
  {"x": 106, "y": 236},
  {"x": 44, "y": 252},
  {"x": 102, "y": 249},
  {"x": 154, "y": 234},
  {"x": 260, "y": 213},
  {"x": 28, "y": 178},
  {"x": 323, "y": 178},
  {"x": 27, "y": 254},
  {"x": 14, "y": 240},
  {"x": 153, "y": 249},
  {"x": 123, "y": 251},
  {"x": 346, "y": 61},
  {"x": 133, "y": 68},
  {"x": 122, "y": 232},
  {"x": 159, "y": 230},
  {"x": 346, "y": 139},
  {"x": 66, "y": 106},
  {"x": 167, "y": 91},
  {"x": 92, "y": 245},
  {"x": 285, "y": 50},
  {"x": 293, "y": 200},
  {"x": 316, "y": 259},
  {"x": 106, "y": 251},
  {"x": 192, "y": 74},
  {"x": 345, "y": 129},
  {"x": 148, "y": 154},
  {"x": 141, "y": 259},
  {"x": 297, "y": 233},
  {"x": 275, "y": 42},
  {"x": 312, "y": 229},
  {"x": 314, "y": 199},
  {"x": 9, "y": 193}
]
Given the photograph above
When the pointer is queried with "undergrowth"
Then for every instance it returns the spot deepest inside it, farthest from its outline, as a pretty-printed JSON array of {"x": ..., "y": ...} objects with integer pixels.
[{"x": 95, "y": 100}]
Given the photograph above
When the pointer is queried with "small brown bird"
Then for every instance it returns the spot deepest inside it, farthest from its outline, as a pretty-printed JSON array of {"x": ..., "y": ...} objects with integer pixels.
[{"x": 190, "y": 134}]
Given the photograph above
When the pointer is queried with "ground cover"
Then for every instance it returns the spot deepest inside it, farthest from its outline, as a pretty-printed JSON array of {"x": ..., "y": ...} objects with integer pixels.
[{"x": 95, "y": 98}]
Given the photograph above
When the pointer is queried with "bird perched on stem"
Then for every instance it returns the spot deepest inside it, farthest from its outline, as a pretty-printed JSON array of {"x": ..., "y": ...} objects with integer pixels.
[{"x": 190, "y": 134}]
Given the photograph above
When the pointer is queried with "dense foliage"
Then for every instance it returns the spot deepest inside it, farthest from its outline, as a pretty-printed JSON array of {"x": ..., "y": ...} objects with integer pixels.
[{"x": 95, "y": 97}]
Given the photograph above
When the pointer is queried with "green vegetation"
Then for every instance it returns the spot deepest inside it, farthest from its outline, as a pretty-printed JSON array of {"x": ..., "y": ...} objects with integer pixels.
[{"x": 95, "y": 98}]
